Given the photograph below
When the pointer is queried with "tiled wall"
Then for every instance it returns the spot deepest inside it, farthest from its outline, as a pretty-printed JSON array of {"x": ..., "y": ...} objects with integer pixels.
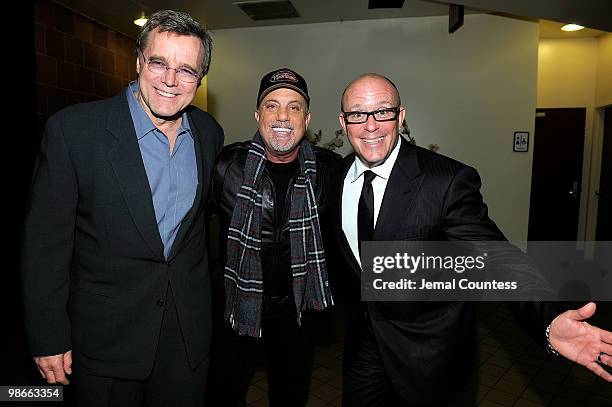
[{"x": 77, "y": 59}]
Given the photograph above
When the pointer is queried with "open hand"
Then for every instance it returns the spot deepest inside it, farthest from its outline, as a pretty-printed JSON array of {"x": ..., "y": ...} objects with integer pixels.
[{"x": 580, "y": 342}]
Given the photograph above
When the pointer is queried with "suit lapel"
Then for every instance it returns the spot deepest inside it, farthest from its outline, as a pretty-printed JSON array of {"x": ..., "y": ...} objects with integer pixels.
[
  {"x": 344, "y": 244},
  {"x": 403, "y": 185},
  {"x": 203, "y": 149},
  {"x": 127, "y": 163}
]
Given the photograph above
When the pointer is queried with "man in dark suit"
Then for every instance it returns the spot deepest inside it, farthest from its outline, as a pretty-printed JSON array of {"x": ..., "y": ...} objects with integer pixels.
[
  {"x": 420, "y": 353},
  {"x": 114, "y": 265}
]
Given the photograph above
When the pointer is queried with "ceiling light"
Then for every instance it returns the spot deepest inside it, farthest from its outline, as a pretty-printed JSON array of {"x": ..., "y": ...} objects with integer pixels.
[
  {"x": 572, "y": 27},
  {"x": 142, "y": 20}
]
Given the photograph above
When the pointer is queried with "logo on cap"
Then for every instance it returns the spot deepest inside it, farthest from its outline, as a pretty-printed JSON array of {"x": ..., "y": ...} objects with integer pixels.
[{"x": 283, "y": 76}]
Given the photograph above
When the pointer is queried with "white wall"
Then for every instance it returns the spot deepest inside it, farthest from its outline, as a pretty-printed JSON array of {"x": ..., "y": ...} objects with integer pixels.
[{"x": 467, "y": 92}]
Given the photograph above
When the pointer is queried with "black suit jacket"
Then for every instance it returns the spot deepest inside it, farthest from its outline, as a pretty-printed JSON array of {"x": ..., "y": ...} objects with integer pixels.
[
  {"x": 93, "y": 268},
  {"x": 427, "y": 348}
]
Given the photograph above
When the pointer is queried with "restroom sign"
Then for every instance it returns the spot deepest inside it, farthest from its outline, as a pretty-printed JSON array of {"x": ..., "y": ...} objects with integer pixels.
[{"x": 521, "y": 141}]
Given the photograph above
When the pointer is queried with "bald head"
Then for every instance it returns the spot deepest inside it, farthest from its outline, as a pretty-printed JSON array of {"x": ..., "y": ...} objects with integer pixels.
[
  {"x": 369, "y": 78},
  {"x": 374, "y": 99}
]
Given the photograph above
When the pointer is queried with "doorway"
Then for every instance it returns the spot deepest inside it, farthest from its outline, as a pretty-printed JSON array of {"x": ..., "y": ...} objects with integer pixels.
[
  {"x": 557, "y": 174},
  {"x": 604, "y": 194}
]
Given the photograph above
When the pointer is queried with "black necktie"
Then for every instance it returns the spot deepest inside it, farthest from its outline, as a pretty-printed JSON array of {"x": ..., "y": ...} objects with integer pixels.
[{"x": 365, "y": 211}]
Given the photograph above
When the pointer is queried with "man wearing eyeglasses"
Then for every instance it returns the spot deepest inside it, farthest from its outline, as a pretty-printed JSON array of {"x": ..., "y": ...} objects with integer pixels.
[
  {"x": 114, "y": 264},
  {"x": 421, "y": 353}
]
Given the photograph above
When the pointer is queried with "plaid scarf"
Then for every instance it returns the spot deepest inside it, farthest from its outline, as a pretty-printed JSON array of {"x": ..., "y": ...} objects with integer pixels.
[{"x": 243, "y": 274}]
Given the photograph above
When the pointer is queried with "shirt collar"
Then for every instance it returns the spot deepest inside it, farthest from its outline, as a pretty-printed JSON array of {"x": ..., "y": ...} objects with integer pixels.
[
  {"x": 142, "y": 123},
  {"x": 383, "y": 170}
]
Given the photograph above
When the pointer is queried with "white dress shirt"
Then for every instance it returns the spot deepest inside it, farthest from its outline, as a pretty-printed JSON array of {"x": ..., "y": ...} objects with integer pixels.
[{"x": 353, "y": 182}]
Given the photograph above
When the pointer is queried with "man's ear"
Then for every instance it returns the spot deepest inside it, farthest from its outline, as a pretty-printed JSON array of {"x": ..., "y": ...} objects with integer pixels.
[
  {"x": 402, "y": 115},
  {"x": 341, "y": 120},
  {"x": 307, "y": 119},
  {"x": 257, "y": 116}
]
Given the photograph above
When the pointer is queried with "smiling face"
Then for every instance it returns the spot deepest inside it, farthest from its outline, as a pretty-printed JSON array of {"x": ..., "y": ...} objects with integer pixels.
[
  {"x": 283, "y": 118},
  {"x": 163, "y": 96},
  {"x": 372, "y": 141}
]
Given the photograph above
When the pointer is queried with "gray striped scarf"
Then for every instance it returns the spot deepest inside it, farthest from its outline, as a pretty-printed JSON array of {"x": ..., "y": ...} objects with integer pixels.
[{"x": 243, "y": 274}]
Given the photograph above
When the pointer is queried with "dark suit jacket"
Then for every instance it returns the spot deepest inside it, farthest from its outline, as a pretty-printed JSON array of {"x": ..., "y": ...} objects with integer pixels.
[
  {"x": 93, "y": 267},
  {"x": 427, "y": 348}
]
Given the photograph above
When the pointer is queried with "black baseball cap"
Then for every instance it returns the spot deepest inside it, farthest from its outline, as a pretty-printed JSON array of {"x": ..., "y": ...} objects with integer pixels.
[{"x": 282, "y": 78}]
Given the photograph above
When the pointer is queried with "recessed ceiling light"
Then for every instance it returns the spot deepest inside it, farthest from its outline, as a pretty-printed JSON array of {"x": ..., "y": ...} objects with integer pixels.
[{"x": 572, "y": 27}]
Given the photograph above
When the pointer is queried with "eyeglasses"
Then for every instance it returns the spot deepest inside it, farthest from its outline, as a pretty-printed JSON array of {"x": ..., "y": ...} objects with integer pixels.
[
  {"x": 160, "y": 68},
  {"x": 380, "y": 115}
]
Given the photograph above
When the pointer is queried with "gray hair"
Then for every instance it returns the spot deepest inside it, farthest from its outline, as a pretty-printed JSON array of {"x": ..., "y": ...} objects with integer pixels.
[{"x": 180, "y": 23}]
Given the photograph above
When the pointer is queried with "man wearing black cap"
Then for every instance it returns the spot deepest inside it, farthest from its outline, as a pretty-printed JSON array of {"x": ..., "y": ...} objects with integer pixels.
[{"x": 268, "y": 193}]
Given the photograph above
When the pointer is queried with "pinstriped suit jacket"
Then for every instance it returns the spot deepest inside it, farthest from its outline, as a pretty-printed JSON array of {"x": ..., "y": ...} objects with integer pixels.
[{"x": 427, "y": 348}]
